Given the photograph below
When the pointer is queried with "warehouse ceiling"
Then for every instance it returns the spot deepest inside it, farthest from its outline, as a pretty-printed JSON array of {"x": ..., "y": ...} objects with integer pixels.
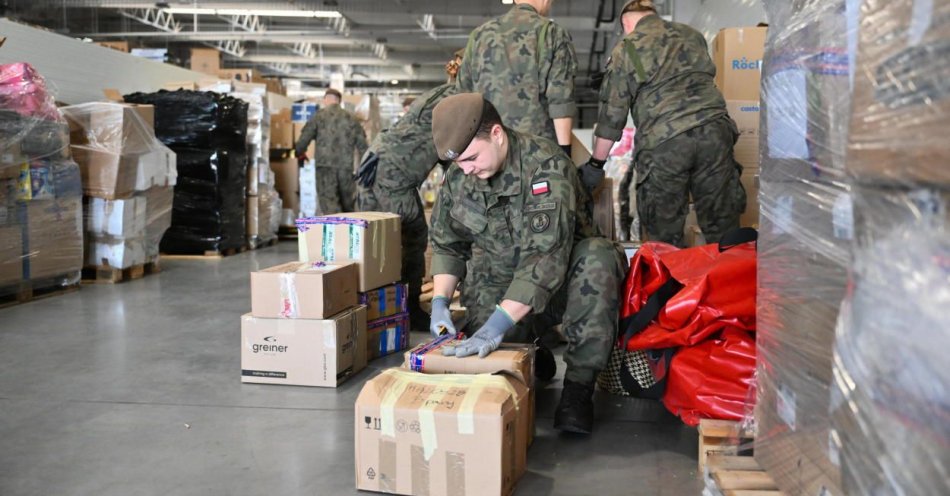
[{"x": 369, "y": 42}]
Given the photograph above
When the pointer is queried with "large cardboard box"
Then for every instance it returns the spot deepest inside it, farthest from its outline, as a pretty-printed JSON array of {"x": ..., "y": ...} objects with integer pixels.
[
  {"x": 745, "y": 113},
  {"x": 281, "y": 130},
  {"x": 11, "y": 254},
  {"x": 737, "y": 53},
  {"x": 112, "y": 252},
  {"x": 371, "y": 239},
  {"x": 206, "y": 60},
  {"x": 122, "y": 46},
  {"x": 303, "y": 290},
  {"x": 54, "y": 238},
  {"x": 387, "y": 335},
  {"x": 303, "y": 352},
  {"x": 116, "y": 127},
  {"x": 116, "y": 218},
  {"x": 901, "y": 106},
  {"x": 438, "y": 434},
  {"x": 106, "y": 174},
  {"x": 385, "y": 301}
]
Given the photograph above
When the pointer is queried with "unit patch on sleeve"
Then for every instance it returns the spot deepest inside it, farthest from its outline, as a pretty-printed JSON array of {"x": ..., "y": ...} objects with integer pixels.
[
  {"x": 540, "y": 188},
  {"x": 540, "y": 222}
]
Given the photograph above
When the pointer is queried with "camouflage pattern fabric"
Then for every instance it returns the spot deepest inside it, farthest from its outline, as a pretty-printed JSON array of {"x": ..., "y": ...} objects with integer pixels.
[
  {"x": 662, "y": 74},
  {"x": 406, "y": 157},
  {"x": 698, "y": 162},
  {"x": 532, "y": 226},
  {"x": 336, "y": 190},
  {"x": 524, "y": 64},
  {"x": 337, "y": 134}
]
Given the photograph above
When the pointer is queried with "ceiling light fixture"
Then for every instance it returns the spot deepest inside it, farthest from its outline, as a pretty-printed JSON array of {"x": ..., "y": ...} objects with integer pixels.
[
  {"x": 507, "y": 2},
  {"x": 394, "y": 81},
  {"x": 328, "y": 14}
]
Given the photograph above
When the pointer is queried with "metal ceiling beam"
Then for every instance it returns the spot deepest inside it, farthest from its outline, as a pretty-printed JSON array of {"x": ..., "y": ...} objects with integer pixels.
[
  {"x": 333, "y": 60},
  {"x": 157, "y": 18}
]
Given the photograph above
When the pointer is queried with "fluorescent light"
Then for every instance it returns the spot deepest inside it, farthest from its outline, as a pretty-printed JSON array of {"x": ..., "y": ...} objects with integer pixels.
[
  {"x": 394, "y": 81},
  {"x": 258, "y": 12},
  {"x": 507, "y": 2}
]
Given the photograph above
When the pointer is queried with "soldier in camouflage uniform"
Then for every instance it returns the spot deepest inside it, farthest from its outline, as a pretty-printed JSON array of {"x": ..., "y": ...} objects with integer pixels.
[
  {"x": 662, "y": 74},
  {"x": 524, "y": 64},
  {"x": 398, "y": 162},
  {"x": 337, "y": 134},
  {"x": 519, "y": 199}
]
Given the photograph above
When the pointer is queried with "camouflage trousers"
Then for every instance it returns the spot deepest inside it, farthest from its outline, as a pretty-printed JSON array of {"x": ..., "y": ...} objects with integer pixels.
[
  {"x": 586, "y": 306},
  {"x": 393, "y": 192},
  {"x": 700, "y": 163},
  {"x": 336, "y": 190}
]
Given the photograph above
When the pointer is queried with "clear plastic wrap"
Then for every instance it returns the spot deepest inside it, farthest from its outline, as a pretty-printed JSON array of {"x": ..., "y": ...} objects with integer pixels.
[
  {"x": 804, "y": 239},
  {"x": 263, "y": 216},
  {"x": 208, "y": 133},
  {"x": 40, "y": 189}
]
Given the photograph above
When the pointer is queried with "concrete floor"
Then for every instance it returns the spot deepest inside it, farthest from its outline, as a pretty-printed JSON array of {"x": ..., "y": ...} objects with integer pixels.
[{"x": 134, "y": 389}]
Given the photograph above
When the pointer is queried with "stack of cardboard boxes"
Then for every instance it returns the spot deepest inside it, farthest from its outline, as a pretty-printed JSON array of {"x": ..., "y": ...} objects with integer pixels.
[
  {"x": 738, "y": 53},
  {"x": 40, "y": 188},
  {"x": 373, "y": 240},
  {"x": 128, "y": 177}
]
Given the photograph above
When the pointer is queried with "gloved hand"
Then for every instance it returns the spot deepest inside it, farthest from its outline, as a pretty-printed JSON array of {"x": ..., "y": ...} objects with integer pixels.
[
  {"x": 485, "y": 340},
  {"x": 567, "y": 149},
  {"x": 366, "y": 174},
  {"x": 302, "y": 158},
  {"x": 441, "y": 318},
  {"x": 592, "y": 173}
]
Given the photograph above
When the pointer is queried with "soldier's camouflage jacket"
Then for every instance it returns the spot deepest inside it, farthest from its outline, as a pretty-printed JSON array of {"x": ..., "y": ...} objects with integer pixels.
[
  {"x": 524, "y": 64},
  {"x": 526, "y": 220},
  {"x": 336, "y": 133},
  {"x": 662, "y": 74},
  {"x": 407, "y": 145}
]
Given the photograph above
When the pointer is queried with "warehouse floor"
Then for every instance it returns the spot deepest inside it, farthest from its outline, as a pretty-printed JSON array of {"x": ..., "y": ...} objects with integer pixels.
[{"x": 135, "y": 389}]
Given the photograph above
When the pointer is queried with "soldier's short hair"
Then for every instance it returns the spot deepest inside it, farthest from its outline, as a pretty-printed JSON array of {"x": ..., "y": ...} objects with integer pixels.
[
  {"x": 638, "y": 6},
  {"x": 490, "y": 117},
  {"x": 333, "y": 92}
]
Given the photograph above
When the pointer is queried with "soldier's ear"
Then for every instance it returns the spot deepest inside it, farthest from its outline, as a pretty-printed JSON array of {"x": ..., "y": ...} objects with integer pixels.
[{"x": 497, "y": 133}]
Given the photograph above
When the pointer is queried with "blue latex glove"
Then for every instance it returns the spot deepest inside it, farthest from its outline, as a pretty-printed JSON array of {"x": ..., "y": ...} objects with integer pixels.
[
  {"x": 485, "y": 340},
  {"x": 441, "y": 318}
]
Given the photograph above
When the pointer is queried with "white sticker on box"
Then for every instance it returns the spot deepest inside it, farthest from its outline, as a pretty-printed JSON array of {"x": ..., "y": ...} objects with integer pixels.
[
  {"x": 288, "y": 296},
  {"x": 356, "y": 238},
  {"x": 328, "y": 250},
  {"x": 785, "y": 405},
  {"x": 788, "y": 115},
  {"x": 843, "y": 216}
]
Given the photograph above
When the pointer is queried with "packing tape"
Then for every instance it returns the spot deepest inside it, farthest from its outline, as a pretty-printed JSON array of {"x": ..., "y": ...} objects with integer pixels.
[
  {"x": 288, "y": 296},
  {"x": 474, "y": 386}
]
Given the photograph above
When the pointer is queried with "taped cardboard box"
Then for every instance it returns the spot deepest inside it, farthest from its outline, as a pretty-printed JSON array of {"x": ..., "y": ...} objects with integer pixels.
[
  {"x": 738, "y": 53},
  {"x": 385, "y": 301},
  {"x": 206, "y": 60},
  {"x": 11, "y": 254},
  {"x": 387, "y": 335},
  {"x": 105, "y": 174},
  {"x": 303, "y": 352},
  {"x": 439, "y": 434},
  {"x": 303, "y": 290},
  {"x": 371, "y": 239},
  {"x": 54, "y": 238}
]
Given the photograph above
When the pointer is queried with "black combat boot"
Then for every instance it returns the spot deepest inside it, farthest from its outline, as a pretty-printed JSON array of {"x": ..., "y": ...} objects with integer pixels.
[
  {"x": 544, "y": 365},
  {"x": 575, "y": 412}
]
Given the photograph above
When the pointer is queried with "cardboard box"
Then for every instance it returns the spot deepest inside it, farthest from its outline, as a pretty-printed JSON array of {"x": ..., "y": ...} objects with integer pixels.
[
  {"x": 11, "y": 254},
  {"x": 206, "y": 60},
  {"x": 281, "y": 130},
  {"x": 387, "y": 335},
  {"x": 105, "y": 174},
  {"x": 745, "y": 113},
  {"x": 180, "y": 85},
  {"x": 737, "y": 53},
  {"x": 115, "y": 253},
  {"x": 303, "y": 290},
  {"x": 385, "y": 301},
  {"x": 372, "y": 239},
  {"x": 242, "y": 75},
  {"x": 303, "y": 352},
  {"x": 54, "y": 238},
  {"x": 252, "y": 217},
  {"x": 750, "y": 181},
  {"x": 115, "y": 127},
  {"x": 158, "y": 215},
  {"x": 116, "y": 218},
  {"x": 900, "y": 108},
  {"x": 512, "y": 358},
  {"x": 122, "y": 46},
  {"x": 437, "y": 434}
]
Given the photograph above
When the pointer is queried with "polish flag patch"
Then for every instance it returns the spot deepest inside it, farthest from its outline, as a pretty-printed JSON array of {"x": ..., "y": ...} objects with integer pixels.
[{"x": 540, "y": 188}]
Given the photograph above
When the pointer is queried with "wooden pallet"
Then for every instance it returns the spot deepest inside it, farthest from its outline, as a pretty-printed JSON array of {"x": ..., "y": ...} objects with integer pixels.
[
  {"x": 104, "y": 274},
  {"x": 27, "y": 291},
  {"x": 740, "y": 475},
  {"x": 208, "y": 255},
  {"x": 719, "y": 436}
]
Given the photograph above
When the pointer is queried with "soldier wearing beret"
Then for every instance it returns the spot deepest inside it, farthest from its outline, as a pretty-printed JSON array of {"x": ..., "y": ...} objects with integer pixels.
[
  {"x": 337, "y": 134},
  {"x": 661, "y": 73},
  {"x": 518, "y": 199}
]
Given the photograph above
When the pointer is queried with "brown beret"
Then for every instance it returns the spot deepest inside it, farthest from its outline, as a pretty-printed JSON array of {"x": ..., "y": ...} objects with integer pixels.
[
  {"x": 333, "y": 92},
  {"x": 638, "y": 6},
  {"x": 455, "y": 121}
]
